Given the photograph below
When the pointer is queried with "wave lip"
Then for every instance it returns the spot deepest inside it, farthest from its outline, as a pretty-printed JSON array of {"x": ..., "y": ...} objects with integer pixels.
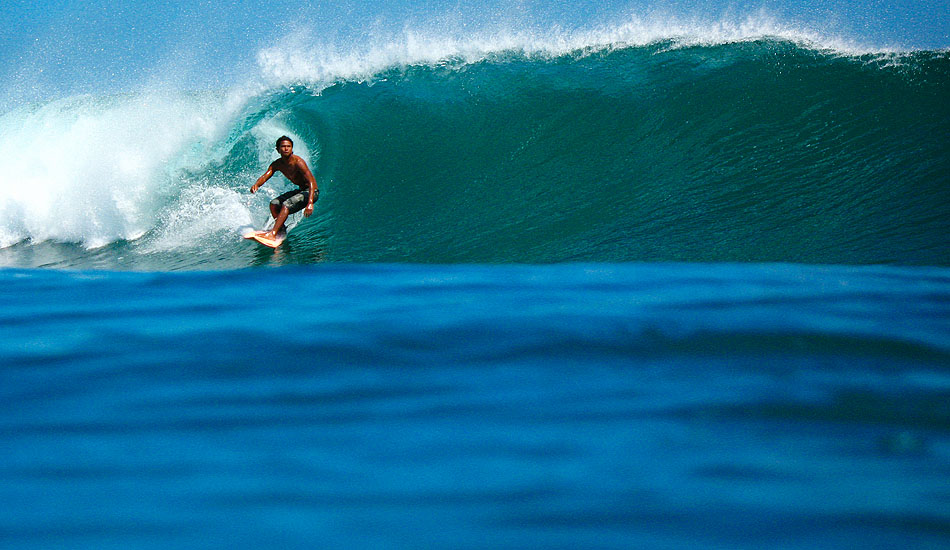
[{"x": 303, "y": 59}]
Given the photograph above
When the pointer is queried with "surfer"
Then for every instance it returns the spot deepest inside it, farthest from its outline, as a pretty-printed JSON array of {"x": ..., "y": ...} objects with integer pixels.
[{"x": 296, "y": 170}]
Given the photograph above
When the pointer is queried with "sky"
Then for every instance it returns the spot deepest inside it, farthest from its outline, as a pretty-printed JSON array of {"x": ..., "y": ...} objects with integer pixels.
[{"x": 50, "y": 47}]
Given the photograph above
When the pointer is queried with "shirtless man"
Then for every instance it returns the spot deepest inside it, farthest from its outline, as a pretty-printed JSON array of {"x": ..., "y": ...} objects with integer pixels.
[{"x": 296, "y": 170}]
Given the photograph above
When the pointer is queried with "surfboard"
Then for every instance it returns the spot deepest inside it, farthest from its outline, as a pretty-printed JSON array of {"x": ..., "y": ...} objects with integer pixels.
[{"x": 259, "y": 236}]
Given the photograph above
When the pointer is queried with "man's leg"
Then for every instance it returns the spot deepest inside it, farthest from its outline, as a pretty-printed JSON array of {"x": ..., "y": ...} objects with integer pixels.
[
  {"x": 280, "y": 203},
  {"x": 279, "y": 220},
  {"x": 281, "y": 207}
]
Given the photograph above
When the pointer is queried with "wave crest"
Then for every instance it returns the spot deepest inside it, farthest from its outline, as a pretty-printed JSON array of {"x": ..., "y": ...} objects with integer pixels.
[{"x": 305, "y": 58}]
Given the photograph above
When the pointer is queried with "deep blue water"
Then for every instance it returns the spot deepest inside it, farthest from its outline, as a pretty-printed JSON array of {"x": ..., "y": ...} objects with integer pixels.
[{"x": 400, "y": 406}]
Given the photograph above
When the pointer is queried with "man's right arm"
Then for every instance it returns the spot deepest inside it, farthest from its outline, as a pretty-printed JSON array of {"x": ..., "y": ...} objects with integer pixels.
[{"x": 260, "y": 181}]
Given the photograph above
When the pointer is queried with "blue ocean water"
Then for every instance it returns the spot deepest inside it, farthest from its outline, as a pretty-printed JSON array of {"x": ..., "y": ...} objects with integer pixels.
[
  {"x": 645, "y": 283},
  {"x": 402, "y": 406}
]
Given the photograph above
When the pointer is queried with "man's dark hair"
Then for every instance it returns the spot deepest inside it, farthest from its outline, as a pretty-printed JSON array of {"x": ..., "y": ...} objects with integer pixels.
[{"x": 284, "y": 138}]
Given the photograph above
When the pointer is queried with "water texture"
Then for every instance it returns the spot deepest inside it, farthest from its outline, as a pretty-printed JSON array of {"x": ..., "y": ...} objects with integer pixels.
[{"x": 580, "y": 405}]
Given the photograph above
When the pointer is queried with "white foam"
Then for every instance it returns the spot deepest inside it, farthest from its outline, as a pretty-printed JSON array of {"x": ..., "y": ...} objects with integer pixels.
[
  {"x": 200, "y": 214},
  {"x": 94, "y": 170},
  {"x": 302, "y": 59}
]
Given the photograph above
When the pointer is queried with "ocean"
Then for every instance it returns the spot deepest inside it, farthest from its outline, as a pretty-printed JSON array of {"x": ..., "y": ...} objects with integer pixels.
[{"x": 578, "y": 291}]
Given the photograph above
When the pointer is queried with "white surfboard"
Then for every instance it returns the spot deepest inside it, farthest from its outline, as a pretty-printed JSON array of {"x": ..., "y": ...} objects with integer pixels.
[{"x": 259, "y": 235}]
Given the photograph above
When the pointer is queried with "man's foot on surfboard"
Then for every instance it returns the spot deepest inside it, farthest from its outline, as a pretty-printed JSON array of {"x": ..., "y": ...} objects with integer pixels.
[
  {"x": 264, "y": 240},
  {"x": 268, "y": 238}
]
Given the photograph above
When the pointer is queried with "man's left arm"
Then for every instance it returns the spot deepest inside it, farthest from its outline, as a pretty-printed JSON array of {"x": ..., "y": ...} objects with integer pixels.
[{"x": 314, "y": 192}]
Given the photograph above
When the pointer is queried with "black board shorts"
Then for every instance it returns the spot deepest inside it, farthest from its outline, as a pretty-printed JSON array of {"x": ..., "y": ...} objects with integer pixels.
[{"x": 295, "y": 200}]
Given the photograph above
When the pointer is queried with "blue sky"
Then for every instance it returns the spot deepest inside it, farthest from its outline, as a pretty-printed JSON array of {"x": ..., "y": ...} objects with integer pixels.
[{"x": 97, "y": 44}]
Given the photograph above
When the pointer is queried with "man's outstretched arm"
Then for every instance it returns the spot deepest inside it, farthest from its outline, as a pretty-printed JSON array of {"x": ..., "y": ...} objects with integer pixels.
[{"x": 260, "y": 181}]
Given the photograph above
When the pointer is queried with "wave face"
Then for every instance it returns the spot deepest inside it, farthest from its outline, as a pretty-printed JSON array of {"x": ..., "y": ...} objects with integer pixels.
[{"x": 758, "y": 150}]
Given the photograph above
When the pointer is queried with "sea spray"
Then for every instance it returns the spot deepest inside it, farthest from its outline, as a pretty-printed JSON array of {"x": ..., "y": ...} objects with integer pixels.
[
  {"x": 304, "y": 56},
  {"x": 94, "y": 170}
]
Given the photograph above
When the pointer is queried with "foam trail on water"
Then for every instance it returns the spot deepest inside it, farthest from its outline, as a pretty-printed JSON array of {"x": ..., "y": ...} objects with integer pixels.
[{"x": 199, "y": 214}]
